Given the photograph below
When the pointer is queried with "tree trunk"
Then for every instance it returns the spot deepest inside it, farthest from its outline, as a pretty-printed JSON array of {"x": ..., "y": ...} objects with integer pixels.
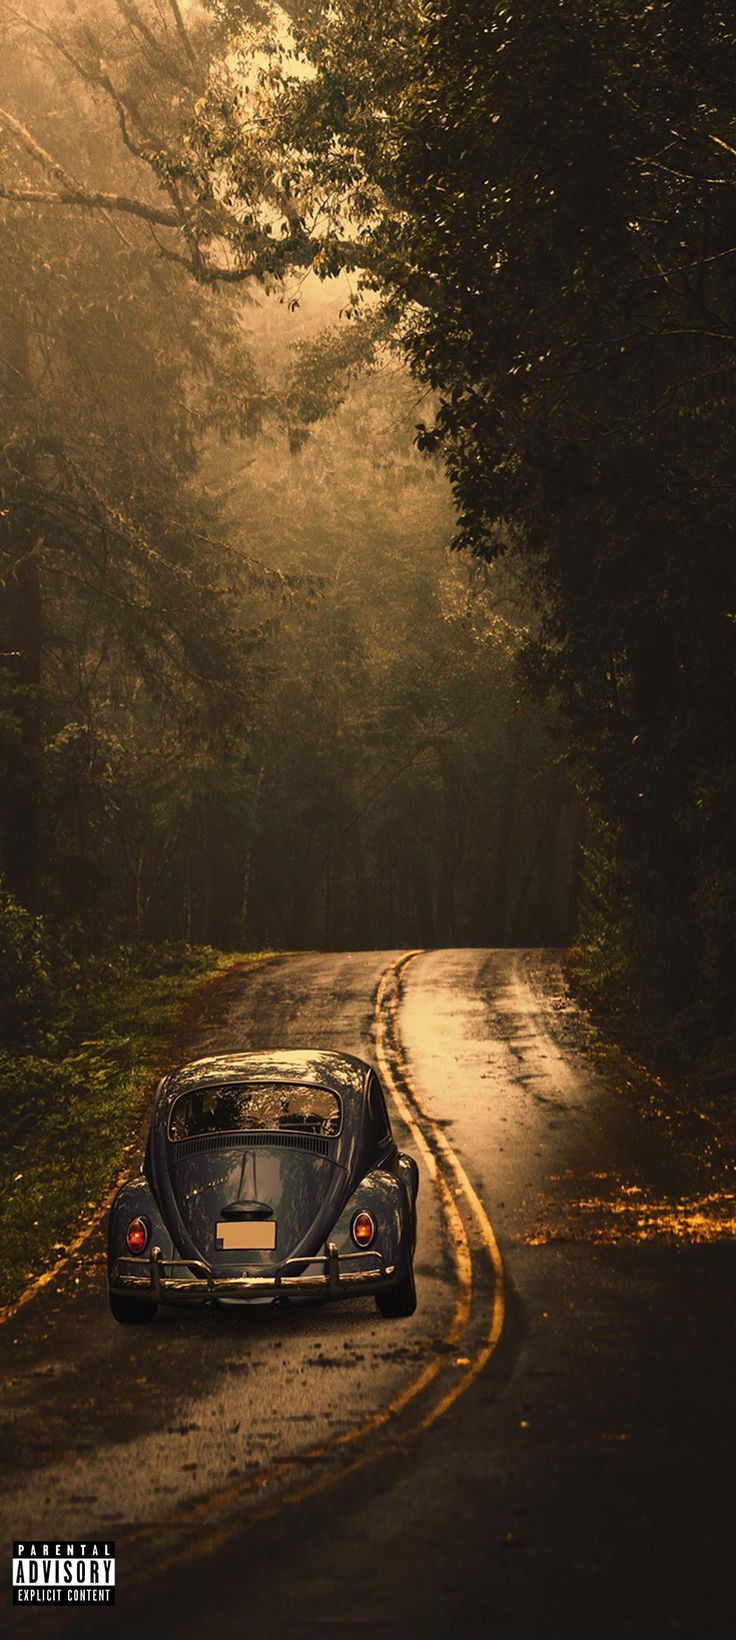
[
  {"x": 504, "y": 843},
  {"x": 243, "y": 924},
  {"x": 20, "y": 632}
]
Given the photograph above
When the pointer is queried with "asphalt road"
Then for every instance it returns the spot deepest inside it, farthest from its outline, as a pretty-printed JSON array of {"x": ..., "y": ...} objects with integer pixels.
[{"x": 547, "y": 1447}]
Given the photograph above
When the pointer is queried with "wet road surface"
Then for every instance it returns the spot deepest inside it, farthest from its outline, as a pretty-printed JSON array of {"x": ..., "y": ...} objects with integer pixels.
[{"x": 283, "y": 1473}]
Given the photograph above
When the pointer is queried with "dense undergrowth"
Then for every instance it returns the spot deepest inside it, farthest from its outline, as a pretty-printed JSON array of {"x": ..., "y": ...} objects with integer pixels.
[{"x": 654, "y": 982}]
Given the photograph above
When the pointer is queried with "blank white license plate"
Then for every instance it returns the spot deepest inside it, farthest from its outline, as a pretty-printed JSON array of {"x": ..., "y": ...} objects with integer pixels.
[{"x": 235, "y": 1235}]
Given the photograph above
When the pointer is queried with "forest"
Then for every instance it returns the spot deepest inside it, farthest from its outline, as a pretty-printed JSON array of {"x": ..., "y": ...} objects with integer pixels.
[{"x": 366, "y": 496}]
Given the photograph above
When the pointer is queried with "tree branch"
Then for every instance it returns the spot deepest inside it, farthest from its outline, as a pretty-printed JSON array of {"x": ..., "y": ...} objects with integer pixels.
[
  {"x": 722, "y": 144},
  {"x": 41, "y": 155},
  {"x": 265, "y": 253},
  {"x": 138, "y": 24},
  {"x": 100, "y": 78},
  {"x": 183, "y": 35},
  {"x": 89, "y": 200},
  {"x": 684, "y": 176}
]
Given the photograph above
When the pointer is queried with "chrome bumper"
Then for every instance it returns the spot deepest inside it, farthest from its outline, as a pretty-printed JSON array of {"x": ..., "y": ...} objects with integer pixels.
[{"x": 150, "y": 1278}]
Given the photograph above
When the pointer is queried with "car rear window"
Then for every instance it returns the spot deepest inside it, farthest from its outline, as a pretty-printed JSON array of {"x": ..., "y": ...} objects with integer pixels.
[{"x": 280, "y": 1107}]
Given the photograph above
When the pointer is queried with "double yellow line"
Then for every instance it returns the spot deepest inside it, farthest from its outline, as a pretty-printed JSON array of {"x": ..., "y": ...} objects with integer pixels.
[
  {"x": 452, "y": 1184},
  {"x": 440, "y": 1160}
]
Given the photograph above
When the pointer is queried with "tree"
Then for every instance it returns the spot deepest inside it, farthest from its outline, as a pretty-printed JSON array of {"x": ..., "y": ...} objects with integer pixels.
[
  {"x": 175, "y": 84},
  {"x": 127, "y": 620},
  {"x": 547, "y": 197},
  {"x": 214, "y": 764},
  {"x": 407, "y": 791}
]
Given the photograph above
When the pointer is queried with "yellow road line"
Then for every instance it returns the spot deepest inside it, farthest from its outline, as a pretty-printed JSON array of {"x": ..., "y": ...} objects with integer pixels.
[
  {"x": 39, "y": 1282},
  {"x": 461, "y": 1314},
  {"x": 409, "y": 1107},
  {"x": 498, "y": 1308},
  {"x": 463, "y": 1263},
  {"x": 496, "y": 1320},
  {"x": 464, "y": 1270}
]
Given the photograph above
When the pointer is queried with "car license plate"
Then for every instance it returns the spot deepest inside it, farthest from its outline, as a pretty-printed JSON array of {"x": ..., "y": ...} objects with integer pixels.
[{"x": 239, "y": 1235}]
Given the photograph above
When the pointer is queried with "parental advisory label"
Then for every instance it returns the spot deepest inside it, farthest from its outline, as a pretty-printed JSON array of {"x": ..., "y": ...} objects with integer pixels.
[{"x": 48, "y": 1573}]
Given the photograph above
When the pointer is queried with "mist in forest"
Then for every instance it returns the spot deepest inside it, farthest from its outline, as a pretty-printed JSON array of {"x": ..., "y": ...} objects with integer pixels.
[
  {"x": 366, "y": 487},
  {"x": 250, "y": 698}
]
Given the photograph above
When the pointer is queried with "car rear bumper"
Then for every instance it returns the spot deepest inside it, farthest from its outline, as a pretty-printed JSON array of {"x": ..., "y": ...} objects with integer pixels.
[{"x": 197, "y": 1281}]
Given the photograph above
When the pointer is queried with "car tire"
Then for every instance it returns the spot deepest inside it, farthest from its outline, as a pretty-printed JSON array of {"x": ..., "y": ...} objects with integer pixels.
[
  {"x": 400, "y": 1300},
  {"x": 132, "y": 1312}
]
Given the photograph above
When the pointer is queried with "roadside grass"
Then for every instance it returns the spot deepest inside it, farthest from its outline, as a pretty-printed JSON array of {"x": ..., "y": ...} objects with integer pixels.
[{"x": 71, "y": 1111}]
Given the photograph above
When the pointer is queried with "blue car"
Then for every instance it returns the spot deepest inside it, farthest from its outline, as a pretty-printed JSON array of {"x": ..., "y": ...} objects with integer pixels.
[{"x": 269, "y": 1178}]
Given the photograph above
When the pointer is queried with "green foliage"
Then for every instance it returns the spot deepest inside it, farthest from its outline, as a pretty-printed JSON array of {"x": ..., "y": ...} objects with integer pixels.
[
  {"x": 547, "y": 199},
  {"x": 244, "y": 695},
  {"x": 256, "y": 700},
  {"x": 25, "y": 988},
  {"x": 322, "y": 370},
  {"x": 127, "y": 638}
]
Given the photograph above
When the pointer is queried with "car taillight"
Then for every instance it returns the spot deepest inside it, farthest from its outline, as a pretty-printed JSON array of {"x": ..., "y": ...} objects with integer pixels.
[
  {"x": 363, "y": 1229},
  {"x": 136, "y": 1235}
]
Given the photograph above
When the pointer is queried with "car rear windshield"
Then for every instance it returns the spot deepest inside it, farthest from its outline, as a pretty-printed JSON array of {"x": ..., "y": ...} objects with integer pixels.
[{"x": 281, "y": 1107}]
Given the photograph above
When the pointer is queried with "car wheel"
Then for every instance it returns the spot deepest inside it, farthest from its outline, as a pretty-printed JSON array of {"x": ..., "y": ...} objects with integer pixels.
[
  {"x": 399, "y": 1300},
  {"x": 132, "y": 1312}
]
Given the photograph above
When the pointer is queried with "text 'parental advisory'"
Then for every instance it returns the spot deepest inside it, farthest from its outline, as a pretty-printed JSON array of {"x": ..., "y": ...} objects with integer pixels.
[{"x": 51, "y": 1573}]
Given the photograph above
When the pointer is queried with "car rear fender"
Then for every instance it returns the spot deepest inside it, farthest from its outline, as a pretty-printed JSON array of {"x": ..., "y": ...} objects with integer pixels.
[
  {"x": 388, "y": 1196},
  {"x": 135, "y": 1200}
]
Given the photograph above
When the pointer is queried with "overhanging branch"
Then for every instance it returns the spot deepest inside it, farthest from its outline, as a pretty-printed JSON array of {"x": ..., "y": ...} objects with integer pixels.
[{"x": 88, "y": 200}]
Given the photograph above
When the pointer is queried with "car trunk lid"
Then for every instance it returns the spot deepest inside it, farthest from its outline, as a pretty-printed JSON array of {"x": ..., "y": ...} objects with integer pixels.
[{"x": 258, "y": 1200}]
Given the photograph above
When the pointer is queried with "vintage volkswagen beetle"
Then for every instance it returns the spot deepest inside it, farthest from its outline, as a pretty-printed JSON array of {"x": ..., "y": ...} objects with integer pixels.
[{"x": 268, "y": 1177}]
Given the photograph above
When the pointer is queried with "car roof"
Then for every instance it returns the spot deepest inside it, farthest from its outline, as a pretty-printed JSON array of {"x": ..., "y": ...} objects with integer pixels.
[{"x": 341, "y": 1072}]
